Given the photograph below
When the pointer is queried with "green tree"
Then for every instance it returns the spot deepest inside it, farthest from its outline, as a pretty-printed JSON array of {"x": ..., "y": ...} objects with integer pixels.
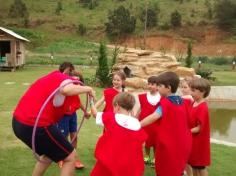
[
  {"x": 102, "y": 73},
  {"x": 120, "y": 22},
  {"x": 58, "y": 8},
  {"x": 152, "y": 15},
  {"x": 114, "y": 56},
  {"x": 226, "y": 14},
  {"x": 189, "y": 59},
  {"x": 176, "y": 19},
  {"x": 18, "y": 10}
]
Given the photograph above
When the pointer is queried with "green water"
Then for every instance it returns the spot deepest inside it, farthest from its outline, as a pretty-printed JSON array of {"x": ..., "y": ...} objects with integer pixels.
[{"x": 223, "y": 121}]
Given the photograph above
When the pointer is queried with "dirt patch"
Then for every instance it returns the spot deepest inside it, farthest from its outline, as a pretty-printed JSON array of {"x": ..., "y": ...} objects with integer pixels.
[{"x": 206, "y": 41}]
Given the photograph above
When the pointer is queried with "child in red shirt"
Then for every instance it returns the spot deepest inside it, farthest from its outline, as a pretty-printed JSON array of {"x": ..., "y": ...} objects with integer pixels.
[
  {"x": 200, "y": 127},
  {"x": 148, "y": 104},
  {"x": 173, "y": 138},
  {"x": 119, "y": 149},
  {"x": 118, "y": 80}
]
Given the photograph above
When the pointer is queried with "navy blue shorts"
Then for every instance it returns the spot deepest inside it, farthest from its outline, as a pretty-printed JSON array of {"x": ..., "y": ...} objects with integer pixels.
[
  {"x": 68, "y": 124},
  {"x": 49, "y": 140}
]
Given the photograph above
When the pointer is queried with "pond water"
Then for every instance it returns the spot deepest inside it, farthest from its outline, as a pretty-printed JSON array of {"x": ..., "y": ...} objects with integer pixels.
[{"x": 223, "y": 121}]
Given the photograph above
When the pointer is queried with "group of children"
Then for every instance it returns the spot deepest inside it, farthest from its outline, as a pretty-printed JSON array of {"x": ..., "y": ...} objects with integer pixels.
[{"x": 176, "y": 127}]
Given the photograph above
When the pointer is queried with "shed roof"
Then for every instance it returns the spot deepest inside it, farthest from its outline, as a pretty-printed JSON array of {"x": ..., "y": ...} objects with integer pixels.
[{"x": 13, "y": 34}]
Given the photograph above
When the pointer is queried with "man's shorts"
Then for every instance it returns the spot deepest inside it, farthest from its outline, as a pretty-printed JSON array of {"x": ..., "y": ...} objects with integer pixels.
[{"x": 49, "y": 140}]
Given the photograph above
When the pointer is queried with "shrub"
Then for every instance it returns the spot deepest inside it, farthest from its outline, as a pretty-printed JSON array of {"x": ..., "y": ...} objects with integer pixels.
[
  {"x": 120, "y": 22},
  {"x": 203, "y": 59},
  {"x": 220, "y": 61},
  {"x": 18, "y": 9},
  {"x": 102, "y": 73},
  {"x": 189, "y": 59},
  {"x": 81, "y": 29},
  {"x": 176, "y": 19},
  {"x": 205, "y": 74}
]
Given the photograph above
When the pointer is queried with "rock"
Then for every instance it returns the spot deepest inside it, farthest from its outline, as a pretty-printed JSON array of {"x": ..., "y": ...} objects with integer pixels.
[{"x": 141, "y": 64}]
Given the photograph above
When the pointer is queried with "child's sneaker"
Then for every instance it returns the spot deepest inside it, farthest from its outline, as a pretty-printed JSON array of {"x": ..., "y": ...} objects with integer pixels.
[
  {"x": 78, "y": 165},
  {"x": 147, "y": 160}
]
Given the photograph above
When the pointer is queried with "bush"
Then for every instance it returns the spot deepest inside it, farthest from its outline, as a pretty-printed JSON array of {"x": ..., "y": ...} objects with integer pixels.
[
  {"x": 81, "y": 29},
  {"x": 203, "y": 59},
  {"x": 176, "y": 19},
  {"x": 205, "y": 74},
  {"x": 189, "y": 59},
  {"x": 120, "y": 22},
  {"x": 102, "y": 73},
  {"x": 220, "y": 61},
  {"x": 18, "y": 10},
  {"x": 225, "y": 14}
]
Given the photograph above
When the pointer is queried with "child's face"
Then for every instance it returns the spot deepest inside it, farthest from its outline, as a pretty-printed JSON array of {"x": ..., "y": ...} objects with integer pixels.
[
  {"x": 185, "y": 89},
  {"x": 197, "y": 94},
  {"x": 152, "y": 87},
  {"x": 117, "y": 82},
  {"x": 163, "y": 90}
]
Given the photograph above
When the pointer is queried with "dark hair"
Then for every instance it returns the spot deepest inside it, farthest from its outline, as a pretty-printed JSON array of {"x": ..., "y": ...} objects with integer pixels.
[
  {"x": 124, "y": 100},
  {"x": 169, "y": 79},
  {"x": 122, "y": 75},
  {"x": 202, "y": 85},
  {"x": 66, "y": 65},
  {"x": 152, "y": 80}
]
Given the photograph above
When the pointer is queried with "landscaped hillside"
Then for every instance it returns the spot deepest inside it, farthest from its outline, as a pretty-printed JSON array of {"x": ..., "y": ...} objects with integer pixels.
[{"x": 49, "y": 21}]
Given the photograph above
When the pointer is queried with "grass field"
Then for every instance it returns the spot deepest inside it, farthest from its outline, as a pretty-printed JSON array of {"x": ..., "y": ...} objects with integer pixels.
[{"x": 17, "y": 160}]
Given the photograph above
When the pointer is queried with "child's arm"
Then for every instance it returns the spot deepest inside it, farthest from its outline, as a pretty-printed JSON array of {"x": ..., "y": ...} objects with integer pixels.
[
  {"x": 93, "y": 108},
  {"x": 86, "y": 114},
  {"x": 99, "y": 102},
  {"x": 196, "y": 129},
  {"x": 150, "y": 119}
]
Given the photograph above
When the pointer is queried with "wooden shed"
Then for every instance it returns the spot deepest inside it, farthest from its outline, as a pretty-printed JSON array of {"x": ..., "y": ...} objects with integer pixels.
[{"x": 12, "y": 50}]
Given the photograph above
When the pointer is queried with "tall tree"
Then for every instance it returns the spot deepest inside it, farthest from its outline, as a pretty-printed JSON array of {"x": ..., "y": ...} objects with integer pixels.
[
  {"x": 102, "y": 72},
  {"x": 189, "y": 59},
  {"x": 18, "y": 10}
]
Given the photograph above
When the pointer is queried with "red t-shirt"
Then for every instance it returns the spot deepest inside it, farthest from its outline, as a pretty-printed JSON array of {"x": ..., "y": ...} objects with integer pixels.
[
  {"x": 173, "y": 139},
  {"x": 109, "y": 95},
  {"x": 33, "y": 99},
  {"x": 200, "y": 154},
  {"x": 147, "y": 109},
  {"x": 119, "y": 150}
]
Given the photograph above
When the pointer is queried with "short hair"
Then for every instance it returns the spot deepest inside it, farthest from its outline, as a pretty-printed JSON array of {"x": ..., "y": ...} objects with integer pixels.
[
  {"x": 124, "y": 100},
  {"x": 169, "y": 79},
  {"x": 152, "y": 80},
  {"x": 202, "y": 85},
  {"x": 66, "y": 65}
]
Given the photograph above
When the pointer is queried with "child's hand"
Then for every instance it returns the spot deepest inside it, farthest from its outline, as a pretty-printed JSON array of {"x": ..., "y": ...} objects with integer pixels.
[{"x": 87, "y": 115}]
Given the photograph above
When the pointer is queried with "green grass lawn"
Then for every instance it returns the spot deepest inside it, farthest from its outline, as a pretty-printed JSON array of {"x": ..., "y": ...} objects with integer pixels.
[{"x": 17, "y": 160}]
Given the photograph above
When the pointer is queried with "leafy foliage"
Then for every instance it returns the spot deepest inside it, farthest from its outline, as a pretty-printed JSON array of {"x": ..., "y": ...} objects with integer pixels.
[
  {"x": 81, "y": 29},
  {"x": 226, "y": 15},
  {"x": 102, "y": 73},
  {"x": 120, "y": 22},
  {"x": 18, "y": 10},
  {"x": 189, "y": 59},
  {"x": 152, "y": 15},
  {"x": 176, "y": 19},
  {"x": 58, "y": 8}
]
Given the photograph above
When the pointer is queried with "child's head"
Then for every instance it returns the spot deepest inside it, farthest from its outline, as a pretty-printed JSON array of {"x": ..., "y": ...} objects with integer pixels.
[
  {"x": 184, "y": 86},
  {"x": 118, "y": 79},
  {"x": 66, "y": 67},
  {"x": 152, "y": 84},
  {"x": 78, "y": 75},
  {"x": 168, "y": 83},
  {"x": 200, "y": 88},
  {"x": 124, "y": 100}
]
